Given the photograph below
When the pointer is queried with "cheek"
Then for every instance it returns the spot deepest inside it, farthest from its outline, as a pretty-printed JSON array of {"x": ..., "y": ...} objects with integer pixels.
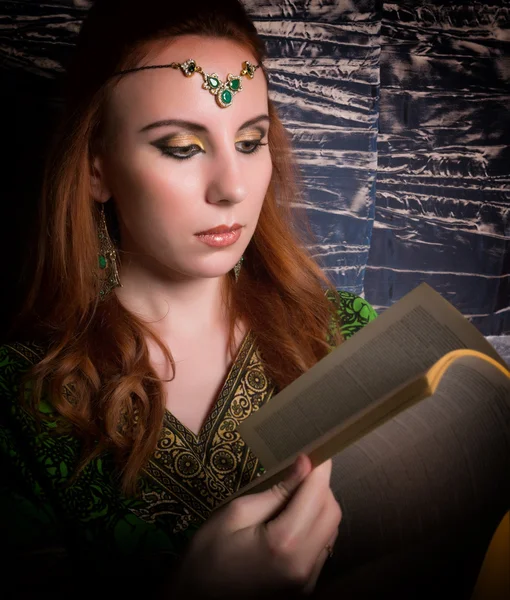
[
  {"x": 171, "y": 192},
  {"x": 260, "y": 179},
  {"x": 151, "y": 191}
]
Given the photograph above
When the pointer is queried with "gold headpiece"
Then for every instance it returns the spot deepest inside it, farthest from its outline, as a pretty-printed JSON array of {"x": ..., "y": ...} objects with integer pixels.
[{"x": 224, "y": 91}]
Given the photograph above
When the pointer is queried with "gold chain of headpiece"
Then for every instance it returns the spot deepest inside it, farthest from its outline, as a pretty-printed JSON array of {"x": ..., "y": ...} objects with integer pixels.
[{"x": 224, "y": 91}]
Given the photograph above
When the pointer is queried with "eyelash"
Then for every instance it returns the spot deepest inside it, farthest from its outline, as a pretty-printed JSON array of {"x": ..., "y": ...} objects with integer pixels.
[{"x": 170, "y": 150}]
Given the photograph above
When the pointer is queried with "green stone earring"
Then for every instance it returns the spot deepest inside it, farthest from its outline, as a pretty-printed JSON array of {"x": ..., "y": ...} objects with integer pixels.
[
  {"x": 107, "y": 259},
  {"x": 224, "y": 91}
]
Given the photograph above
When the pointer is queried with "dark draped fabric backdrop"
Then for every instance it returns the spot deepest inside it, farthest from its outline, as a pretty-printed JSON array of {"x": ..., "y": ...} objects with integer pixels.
[{"x": 400, "y": 117}]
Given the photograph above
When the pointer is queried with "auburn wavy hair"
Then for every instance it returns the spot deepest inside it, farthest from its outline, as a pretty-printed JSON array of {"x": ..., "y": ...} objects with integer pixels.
[{"x": 97, "y": 349}]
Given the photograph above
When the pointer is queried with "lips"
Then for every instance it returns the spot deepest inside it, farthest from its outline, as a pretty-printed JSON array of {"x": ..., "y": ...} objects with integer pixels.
[
  {"x": 220, "y": 236},
  {"x": 220, "y": 229}
]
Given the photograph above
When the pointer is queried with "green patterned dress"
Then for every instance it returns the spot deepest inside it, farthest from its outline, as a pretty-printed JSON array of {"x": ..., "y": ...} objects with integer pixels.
[{"x": 70, "y": 531}]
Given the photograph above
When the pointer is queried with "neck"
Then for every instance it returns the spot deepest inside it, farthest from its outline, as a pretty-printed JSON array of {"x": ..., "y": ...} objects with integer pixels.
[{"x": 184, "y": 308}]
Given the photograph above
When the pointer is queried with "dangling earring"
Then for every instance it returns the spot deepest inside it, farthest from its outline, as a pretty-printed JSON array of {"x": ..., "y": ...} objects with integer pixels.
[
  {"x": 237, "y": 268},
  {"x": 107, "y": 259}
]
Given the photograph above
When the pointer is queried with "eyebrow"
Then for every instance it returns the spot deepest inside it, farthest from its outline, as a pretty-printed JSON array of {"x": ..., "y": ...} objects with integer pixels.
[{"x": 196, "y": 126}]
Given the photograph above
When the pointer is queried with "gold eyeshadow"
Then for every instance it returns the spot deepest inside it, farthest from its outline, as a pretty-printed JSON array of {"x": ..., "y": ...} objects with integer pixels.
[
  {"x": 251, "y": 136},
  {"x": 184, "y": 139}
]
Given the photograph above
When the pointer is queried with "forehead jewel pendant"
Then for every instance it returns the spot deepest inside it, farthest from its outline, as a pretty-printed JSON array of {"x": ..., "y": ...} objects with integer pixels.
[{"x": 224, "y": 91}]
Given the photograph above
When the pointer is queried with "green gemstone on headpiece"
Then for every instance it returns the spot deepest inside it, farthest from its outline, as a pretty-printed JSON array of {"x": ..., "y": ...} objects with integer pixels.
[
  {"x": 213, "y": 82},
  {"x": 235, "y": 84},
  {"x": 188, "y": 67},
  {"x": 224, "y": 91},
  {"x": 226, "y": 97},
  {"x": 102, "y": 262}
]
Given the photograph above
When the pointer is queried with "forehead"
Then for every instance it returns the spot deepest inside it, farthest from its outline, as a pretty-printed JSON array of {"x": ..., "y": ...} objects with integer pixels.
[{"x": 153, "y": 94}]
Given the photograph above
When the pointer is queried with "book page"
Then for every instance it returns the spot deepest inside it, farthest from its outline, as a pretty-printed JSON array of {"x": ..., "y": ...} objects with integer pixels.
[
  {"x": 426, "y": 488},
  {"x": 469, "y": 385},
  {"x": 352, "y": 429},
  {"x": 397, "y": 347}
]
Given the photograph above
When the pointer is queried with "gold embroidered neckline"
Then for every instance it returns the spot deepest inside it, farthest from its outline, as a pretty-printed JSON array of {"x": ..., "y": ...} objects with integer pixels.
[
  {"x": 169, "y": 419},
  {"x": 225, "y": 391}
]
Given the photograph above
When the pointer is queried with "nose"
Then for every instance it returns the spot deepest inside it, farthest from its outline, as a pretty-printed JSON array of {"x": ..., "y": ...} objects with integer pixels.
[{"x": 228, "y": 179}]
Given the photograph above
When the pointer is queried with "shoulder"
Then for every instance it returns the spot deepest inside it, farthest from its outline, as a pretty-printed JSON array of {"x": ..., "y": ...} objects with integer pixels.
[
  {"x": 16, "y": 358},
  {"x": 350, "y": 312}
]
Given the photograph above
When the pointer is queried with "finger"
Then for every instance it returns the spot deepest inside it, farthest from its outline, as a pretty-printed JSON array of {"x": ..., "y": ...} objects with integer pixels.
[
  {"x": 326, "y": 548},
  {"x": 299, "y": 516},
  {"x": 255, "y": 509},
  {"x": 325, "y": 528},
  {"x": 321, "y": 560},
  {"x": 293, "y": 478},
  {"x": 324, "y": 534}
]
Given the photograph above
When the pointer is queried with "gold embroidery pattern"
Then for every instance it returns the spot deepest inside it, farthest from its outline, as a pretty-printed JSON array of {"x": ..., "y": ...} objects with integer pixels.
[
  {"x": 254, "y": 390},
  {"x": 195, "y": 473},
  {"x": 189, "y": 475}
]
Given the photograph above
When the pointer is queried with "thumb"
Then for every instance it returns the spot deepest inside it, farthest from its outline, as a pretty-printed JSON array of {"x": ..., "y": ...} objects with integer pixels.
[
  {"x": 264, "y": 506},
  {"x": 292, "y": 478}
]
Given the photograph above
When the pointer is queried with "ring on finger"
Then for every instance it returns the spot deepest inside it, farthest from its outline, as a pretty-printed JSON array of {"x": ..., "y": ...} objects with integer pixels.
[{"x": 329, "y": 549}]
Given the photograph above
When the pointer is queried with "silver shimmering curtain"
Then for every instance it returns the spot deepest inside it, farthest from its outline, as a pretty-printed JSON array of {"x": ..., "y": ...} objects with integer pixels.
[{"x": 400, "y": 117}]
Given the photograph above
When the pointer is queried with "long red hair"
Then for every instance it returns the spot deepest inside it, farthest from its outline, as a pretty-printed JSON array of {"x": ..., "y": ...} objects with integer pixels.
[{"x": 98, "y": 348}]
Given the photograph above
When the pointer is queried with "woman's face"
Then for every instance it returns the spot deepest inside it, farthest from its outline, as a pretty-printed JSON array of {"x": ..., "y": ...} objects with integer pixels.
[{"x": 171, "y": 181}]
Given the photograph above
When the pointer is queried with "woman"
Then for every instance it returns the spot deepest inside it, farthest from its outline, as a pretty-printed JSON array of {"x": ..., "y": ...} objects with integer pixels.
[{"x": 141, "y": 352}]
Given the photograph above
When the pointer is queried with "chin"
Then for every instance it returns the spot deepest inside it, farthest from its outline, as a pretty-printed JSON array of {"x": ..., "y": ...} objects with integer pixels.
[
  {"x": 214, "y": 274},
  {"x": 205, "y": 271}
]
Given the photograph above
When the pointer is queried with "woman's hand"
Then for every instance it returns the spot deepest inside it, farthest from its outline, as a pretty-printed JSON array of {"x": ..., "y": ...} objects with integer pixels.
[{"x": 267, "y": 542}]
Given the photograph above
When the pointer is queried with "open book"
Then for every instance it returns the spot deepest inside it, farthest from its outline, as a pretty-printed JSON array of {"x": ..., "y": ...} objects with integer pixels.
[
  {"x": 420, "y": 346},
  {"x": 414, "y": 410}
]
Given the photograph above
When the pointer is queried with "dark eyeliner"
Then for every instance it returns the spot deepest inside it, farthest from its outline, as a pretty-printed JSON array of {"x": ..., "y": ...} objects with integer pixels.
[
  {"x": 257, "y": 144},
  {"x": 171, "y": 150}
]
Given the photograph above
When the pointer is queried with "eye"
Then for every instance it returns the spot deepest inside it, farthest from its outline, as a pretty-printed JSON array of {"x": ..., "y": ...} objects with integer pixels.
[
  {"x": 249, "y": 147},
  {"x": 180, "y": 152},
  {"x": 186, "y": 152}
]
